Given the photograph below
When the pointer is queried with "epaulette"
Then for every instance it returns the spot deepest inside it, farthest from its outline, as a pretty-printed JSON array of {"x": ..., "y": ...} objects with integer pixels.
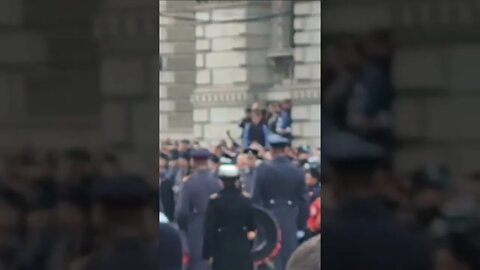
[
  {"x": 214, "y": 196},
  {"x": 246, "y": 194}
]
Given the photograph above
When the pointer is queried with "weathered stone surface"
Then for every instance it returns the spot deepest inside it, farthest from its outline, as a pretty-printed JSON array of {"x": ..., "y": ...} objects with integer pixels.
[
  {"x": 22, "y": 48},
  {"x": 122, "y": 76},
  {"x": 421, "y": 69},
  {"x": 202, "y": 44},
  {"x": 360, "y": 18},
  {"x": 315, "y": 112},
  {"x": 311, "y": 129},
  {"x": 198, "y": 131},
  {"x": 300, "y": 112},
  {"x": 409, "y": 118},
  {"x": 114, "y": 124},
  {"x": 203, "y": 76},
  {"x": 200, "y": 115},
  {"x": 464, "y": 69},
  {"x": 226, "y": 115},
  {"x": 444, "y": 114}
]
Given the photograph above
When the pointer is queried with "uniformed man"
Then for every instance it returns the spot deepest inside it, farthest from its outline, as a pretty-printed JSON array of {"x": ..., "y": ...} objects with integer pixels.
[
  {"x": 361, "y": 232},
  {"x": 280, "y": 188},
  {"x": 192, "y": 206},
  {"x": 229, "y": 225}
]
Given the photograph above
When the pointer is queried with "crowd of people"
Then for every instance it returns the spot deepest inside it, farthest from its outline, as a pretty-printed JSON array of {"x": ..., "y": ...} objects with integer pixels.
[
  {"x": 188, "y": 169},
  {"x": 374, "y": 217},
  {"x": 74, "y": 210}
]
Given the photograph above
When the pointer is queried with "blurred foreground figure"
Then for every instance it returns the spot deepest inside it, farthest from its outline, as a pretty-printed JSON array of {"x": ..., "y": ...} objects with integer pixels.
[
  {"x": 280, "y": 188},
  {"x": 307, "y": 256},
  {"x": 170, "y": 248},
  {"x": 192, "y": 206},
  {"x": 229, "y": 225},
  {"x": 361, "y": 232},
  {"x": 120, "y": 206}
]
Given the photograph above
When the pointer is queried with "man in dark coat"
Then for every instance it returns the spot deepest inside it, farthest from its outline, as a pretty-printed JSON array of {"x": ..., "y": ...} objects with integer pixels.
[
  {"x": 229, "y": 225},
  {"x": 280, "y": 188},
  {"x": 361, "y": 232},
  {"x": 192, "y": 206}
]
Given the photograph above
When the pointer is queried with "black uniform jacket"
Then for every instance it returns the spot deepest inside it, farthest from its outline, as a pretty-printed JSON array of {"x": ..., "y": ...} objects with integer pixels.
[{"x": 230, "y": 216}]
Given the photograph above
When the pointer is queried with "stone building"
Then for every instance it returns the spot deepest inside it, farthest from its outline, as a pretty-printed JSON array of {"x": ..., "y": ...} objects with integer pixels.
[
  {"x": 79, "y": 74},
  {"x": 240, "y": 52}
]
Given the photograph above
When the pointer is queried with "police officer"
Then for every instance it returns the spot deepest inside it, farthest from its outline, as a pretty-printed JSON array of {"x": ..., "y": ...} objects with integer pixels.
[
  {"x": 192, "y": 206},
  {"x": 280, "y": 187},
  {"x": 361, "y": 232},
  {"x": 229, "y": 225}
]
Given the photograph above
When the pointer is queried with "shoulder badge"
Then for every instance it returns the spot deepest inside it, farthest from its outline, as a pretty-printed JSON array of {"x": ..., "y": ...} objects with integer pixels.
[
  {"x": 214, "y": 196},
  {"x": 246, "y": 194}
]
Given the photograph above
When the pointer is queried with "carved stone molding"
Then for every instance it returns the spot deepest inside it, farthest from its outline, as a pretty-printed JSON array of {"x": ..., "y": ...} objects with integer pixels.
[
  {"x": 127, "y": 23},
  {"x": 303, "y": 94}
]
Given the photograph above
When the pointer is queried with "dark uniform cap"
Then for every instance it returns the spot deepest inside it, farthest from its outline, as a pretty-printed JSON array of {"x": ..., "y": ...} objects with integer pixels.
[
  {"x": 341, "y": 148},
  {"x": 201, "y": 153},
  {"x": 276, "y": 140},
  {"x": 125, "y": 189}
]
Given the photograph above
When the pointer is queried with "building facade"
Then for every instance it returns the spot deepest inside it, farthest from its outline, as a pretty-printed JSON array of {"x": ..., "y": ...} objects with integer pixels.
[
  {"x": 244, "y": 51},
  {"x": 79, "y": 75}
]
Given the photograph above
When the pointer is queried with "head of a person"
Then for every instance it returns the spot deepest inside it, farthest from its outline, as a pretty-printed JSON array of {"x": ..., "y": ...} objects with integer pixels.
[
  {"x": 229, "y": 174},
  {"x": 251, "y": 158},
  {"x": 351, "y": 164},
  {"x": 306, "y": 256},
  {"x": 76, "y": 162},
  {"x": 184, "y": 145},
  {"x": 248, "y": 112},
  {"x": 184, "y": 161},
  {"x": 213, "y": 163},
  {"x": 242, "y": 161},
  {"x": 312, "y": 177},
  {"x": 120, "y": 204},
  {"x": 428, "y": 192},
  {"x": 173, "y": 159},
  {"x": 200, "y": 158},
  {"x": 286, "y": 104},
  {"x": 257, "y": 116}
]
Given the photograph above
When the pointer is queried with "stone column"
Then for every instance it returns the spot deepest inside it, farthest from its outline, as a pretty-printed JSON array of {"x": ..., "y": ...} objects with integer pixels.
[
  {"x": 177, "y": 76},
  {"x": 232, "y": 65}
]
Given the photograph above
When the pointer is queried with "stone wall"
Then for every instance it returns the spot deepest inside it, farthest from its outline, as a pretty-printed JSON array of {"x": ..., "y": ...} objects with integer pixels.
[
  {"x": 177, "y": 77},
  {"x": 91, "y": 85},
  {"x": 235, "y": 66},
  {"x": 231, "y": 64},
  {"x": 307, "y": 54}
]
